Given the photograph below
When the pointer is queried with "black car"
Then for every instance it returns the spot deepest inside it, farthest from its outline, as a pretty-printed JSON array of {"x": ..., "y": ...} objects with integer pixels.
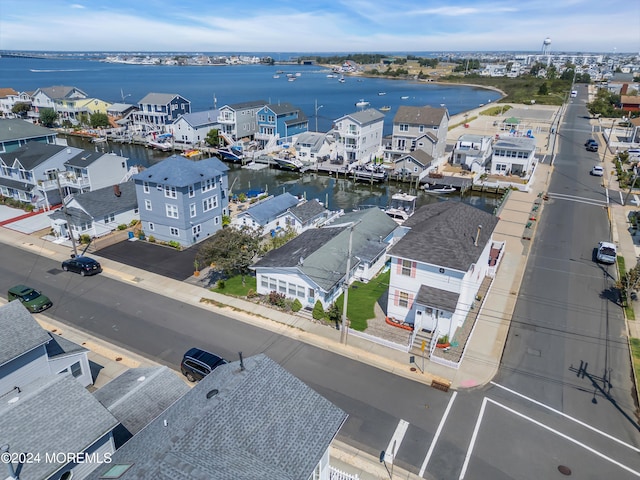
[
  {"x": 592, "y": 145},
  {"x": 197, "y": 364},
  {"x": 82, "y": 265}
]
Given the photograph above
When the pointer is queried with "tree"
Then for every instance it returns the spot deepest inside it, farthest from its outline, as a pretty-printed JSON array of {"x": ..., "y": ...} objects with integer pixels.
[
  {"x": 544, "y": 89},
  {"x": 99, "y": 120},
  {"x": 318, "y": 310},
  {"x": 232, "y": 250},
  {"x": 629, "y": 283},
  {"x": 48, "y": 117},
  {"x": 213, "y": 138},
  {"x": 21, "y": 109}
]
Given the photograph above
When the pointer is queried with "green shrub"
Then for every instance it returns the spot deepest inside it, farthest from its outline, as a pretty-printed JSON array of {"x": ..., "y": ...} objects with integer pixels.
[
  {"x": 152, "y": 239},
  {"x": 85, "y": 239},
  {"x": 122, "y": 226},
  {"x": 296, "y": 306},
  {"x": 277, "y": 299},
  {"x": 220, "y": 284},
  {"x": 318, "y": 311},
  {"x": 134, "y": 222},
  {"x": 175, "y": 244}
]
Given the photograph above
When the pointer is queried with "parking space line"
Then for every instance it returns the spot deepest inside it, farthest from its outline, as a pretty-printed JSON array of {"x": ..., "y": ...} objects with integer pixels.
[
  {"x": 566, "y": 437},
  {"x": 579, "y": 422},
  {"x": 473, "y": 439},
  {"x": 437, "y": 435},
  {"x": 396, "y": 440}
]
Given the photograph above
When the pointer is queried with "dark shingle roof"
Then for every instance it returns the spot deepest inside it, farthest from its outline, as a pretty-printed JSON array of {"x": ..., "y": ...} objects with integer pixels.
[
  {"x": 419, "y": 115},
  {"x": 52, "y": 414},
  {"x": 308, "y": 210},
  {"x": 19, "y": 332},
  {"x": 16, "y": 129},
  {"x": 437, "y": 298},
  {"x": 60, "y": 92},
  {"x": 420, "y": 156},
  {"x": 139, "y": 395},
  {"x": 101, "y": 202},
  {"x": 444, "y": 233},
  {"x": 32, "y": 154},
  {"x": 60, "y": 346},
  {"x": 179, "y": 171},
  {"x": 270, "y": 209},
  {"x": 365, "y": 117},
  {"x": 260, "y": 422},
  {"x": 158, "y": 98},
  {"x": 85, "y": 158},
  {"x": 246, "y": 105}
]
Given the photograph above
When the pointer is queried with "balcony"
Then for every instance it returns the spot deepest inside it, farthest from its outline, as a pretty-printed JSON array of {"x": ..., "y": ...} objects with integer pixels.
[
  {"x": 264, "y": 136},
  {"x": 66, "y": 180},
  {"x": 226, "y": 120}
]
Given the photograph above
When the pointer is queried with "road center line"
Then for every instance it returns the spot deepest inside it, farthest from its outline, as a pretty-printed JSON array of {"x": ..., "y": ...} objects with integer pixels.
[
  {"x": 473, "y": 439},
  {"x": 396, "y": 440},
  {"x": 566, "y": 437},
  {"x": 579, "y": 422},
  {"x": 437, "y": 435}
]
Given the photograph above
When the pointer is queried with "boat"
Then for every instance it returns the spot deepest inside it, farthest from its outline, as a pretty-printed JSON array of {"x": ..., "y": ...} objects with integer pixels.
[
  {"x": 99, "y": 140},
  {"x": 382, "y": 93},
  {"x": 404, "y": 97},
  {"x": 402, "y": 206},
  {"x": 331, "y": 75},
  {"x": 291, "y": 79},
  {"x": 159, "y": 145},
  {"x": 439, "y": 190},
  {"x": 386, "y": 108},
  {"x": 369, "y": 173},
  {"x": 275, "y": 75},
  {"x": 362, "y": 103},
  {"x": 191, "y": 153},
  {"x": 341, "y": 79},
  {"x": 288, "y": 161},
  {"x": 233, "y": 154}
]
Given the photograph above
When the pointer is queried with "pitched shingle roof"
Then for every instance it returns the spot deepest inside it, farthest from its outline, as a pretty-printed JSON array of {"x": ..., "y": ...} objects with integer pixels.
[
  {"x": 60, "y": 92},
  {"x": 444, "y": 234},
  {"x": 260, "y": 422},
  {"x": 246, "y": 105},
  {"x": 270, "y": 209},
  {"x": 19, "y": 332},
  {"x": 179, "y": 171},
  {"x": 158, "y": 98},
  {"x": 199, "y": 119},
  {"x": 104, "y": 201},
  {"x": 33, "y": 154},
  {"x": 52, "y": 414},
  {"x": 308, "y": 210},
  {"x": 365, "y": 117},
  {"x": 16, "y": 129},
  {"x": 419, "y": 115}
]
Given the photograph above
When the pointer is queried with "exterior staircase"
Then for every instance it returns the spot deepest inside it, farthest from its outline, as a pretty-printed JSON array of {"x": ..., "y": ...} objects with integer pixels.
[{"x": 416, "y": 347}]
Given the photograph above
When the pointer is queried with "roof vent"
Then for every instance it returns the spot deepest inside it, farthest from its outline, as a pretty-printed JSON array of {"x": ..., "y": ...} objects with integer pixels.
[{"x": 116, "y": 190}]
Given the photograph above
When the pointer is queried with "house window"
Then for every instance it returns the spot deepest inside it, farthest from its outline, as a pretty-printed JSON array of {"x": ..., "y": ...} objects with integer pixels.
[
  {"x": 301, "y": 291},
  {"x": 272, "y": 284},
  {"x": 145, "y": 187},
  {"x": 216, "y": 220},
  {"x": 174, "y": 231},
  {"x": 109, "y": 218},
  {"x": 152, "y": 227},
  {"x": 403, "y": 299},
  {"x": 76, "y": 369},
  {"x": 264, "y": 282},
  {"x": 208, "y": 204},
  {"x": 170, "y": 192},
  {"x": 403, "y": 127},
  {"x": 147, "y": 205},
  {"x": 196, "y": 229},
  {"x": 172, "y": 210},
  {"x": 407, "y": 266},
  {"x": 282, "y": 286},
  {"x": 292, "y": 289},
  {"x": 192, "y": 191},
  {"x": 421, "y": 128},
  {"x": 208, "y": 184},
  {"x": 192, "y": 210}
]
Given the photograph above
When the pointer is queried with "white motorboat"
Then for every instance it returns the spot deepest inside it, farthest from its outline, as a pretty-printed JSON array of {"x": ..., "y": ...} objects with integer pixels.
[
  {"x": 402, "y": 207},
  {"x": 438, "y": 190},
  {"x": 362, "y": 103}
]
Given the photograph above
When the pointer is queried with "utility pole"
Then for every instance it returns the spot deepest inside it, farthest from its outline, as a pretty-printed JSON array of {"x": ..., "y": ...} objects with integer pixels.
[
  {"x": 66, "y": 216},
  {"x": 343, "y": 331}
]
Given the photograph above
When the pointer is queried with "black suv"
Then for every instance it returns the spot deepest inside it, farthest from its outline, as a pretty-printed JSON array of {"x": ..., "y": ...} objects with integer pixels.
[
  {"x": 592, "y": 145},
  {"x": 197, "y": 364}
]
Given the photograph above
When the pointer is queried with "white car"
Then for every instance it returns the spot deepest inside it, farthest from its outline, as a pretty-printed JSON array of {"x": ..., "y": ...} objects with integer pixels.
[
  {"x": 607, "y": 253},
  {"x": 597, "y": 171}
]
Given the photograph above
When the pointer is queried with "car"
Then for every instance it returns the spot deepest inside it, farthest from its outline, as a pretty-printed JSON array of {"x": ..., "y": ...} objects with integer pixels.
[
  {"x": 82, "y": 265},
  {"x": 32, "y": 299},
  {"x": 197, "y": 364},
  {"x": 592, "y": 145},
  {"x": 607, "y": 253},
  {"x": 597, "y": 171}
]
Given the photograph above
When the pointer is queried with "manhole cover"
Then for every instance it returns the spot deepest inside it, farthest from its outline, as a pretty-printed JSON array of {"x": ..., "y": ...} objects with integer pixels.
[{"x": 563, "y": 469}]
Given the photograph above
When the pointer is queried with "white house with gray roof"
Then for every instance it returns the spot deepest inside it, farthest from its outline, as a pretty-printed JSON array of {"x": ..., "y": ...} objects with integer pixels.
[
  {"x": 472, "y": 152},
  {"x": 14, "y": 133},
  {"x": 96, "y": 213},
  {"x": 313, "y": 266},
  {"x": 307, "y": 214},
  {"x": 437, "y": 267},
  {"x": 192, "y": 128},
  {"x": 513, "y": 156},
  {"x": 60, "y": 98},
  {"x": 29, "y": 352},
  {"x": 267, "y": 214},
  {"x": 419, "y": 128},
  {"x": 182, "y": 200},
  {"x": 55, "y": 414},
  {"x": 358, "y": 135},
  {"x": 245, "y": 420},
  {"x": 314, "y": 146}
]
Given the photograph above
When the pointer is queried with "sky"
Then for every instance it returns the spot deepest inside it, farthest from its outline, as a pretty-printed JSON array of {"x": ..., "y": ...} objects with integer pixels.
[{"x": 313, "y": 26}]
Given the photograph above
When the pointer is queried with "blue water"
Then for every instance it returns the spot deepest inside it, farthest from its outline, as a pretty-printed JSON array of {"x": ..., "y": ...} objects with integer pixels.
[{"x": 239, "y": 83}]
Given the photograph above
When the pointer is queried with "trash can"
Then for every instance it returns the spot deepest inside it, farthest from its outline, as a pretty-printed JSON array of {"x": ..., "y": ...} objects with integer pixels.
[{"x": 130, "y": 235}]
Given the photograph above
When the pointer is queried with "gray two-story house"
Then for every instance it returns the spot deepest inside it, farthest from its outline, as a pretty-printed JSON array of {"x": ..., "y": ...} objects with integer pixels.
[
  {"x": 15, "y": 133},
  {"x": 238, "y": 120},
  {"x": 418, "y": 128},
  {"x": 182, "y": 200}
]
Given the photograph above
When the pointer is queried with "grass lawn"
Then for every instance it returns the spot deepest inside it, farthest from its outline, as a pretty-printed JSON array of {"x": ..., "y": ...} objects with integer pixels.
[
  {"x": 635, "y": 353},
  {"x": 362, "y": 299},
  {"x": 233, "y": 286}
]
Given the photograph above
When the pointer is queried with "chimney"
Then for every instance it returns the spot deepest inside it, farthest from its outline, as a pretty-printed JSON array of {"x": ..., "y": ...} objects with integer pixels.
[
  {"x": 475, "y": 242},
  {"x": 116, "y": 190}
]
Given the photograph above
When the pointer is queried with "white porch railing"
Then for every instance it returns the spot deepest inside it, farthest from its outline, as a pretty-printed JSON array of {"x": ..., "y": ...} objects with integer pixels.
[
  {"x": 336, "y": 474},
  {"x": 379, "y": 341}
]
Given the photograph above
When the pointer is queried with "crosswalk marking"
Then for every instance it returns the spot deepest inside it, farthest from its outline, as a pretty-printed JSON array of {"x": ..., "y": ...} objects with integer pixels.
[
  {"x": 396, "y": 440},
  {"x": 574, "y": 198}
]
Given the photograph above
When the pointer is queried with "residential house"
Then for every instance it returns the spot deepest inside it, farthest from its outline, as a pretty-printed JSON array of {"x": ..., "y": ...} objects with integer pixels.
[
  {"x": 313, "y": 266},
  {"x": 157, "y": 111},
  {"x": 359, "y": 135},
  {"x": 96, "y": 213},
  {"x": 15, "y": 133},
  {"x": 314, "y": 147},
  {"x": 280, "y": 122},
  {"x": 9, "y": 98},
  {"x": 138, "y": 396},
  {"x": 239, "y": 120},
  {"x": 437, "y": 267},
  {"x": 266, "y": 215},
  {"x": 30, "y": 352},
  {"x": 419, "y": 128},
  {"x": 119, "y": 114},
  {"x": 182, "y": 200},
  {"x": 630, "y": 103},
  {"x": 305, "y": 215},
  {"x": 413, "y": 164},
  {"x": 472, "y": 152},
  {"x": 246, "y": 419},
  {"x": 50, "y": 418},
  {"x": 513, "y": 156},
  {"x": 37, "y": 173},
  {"x": 193, "y": 128},
  {"x": 60, "y": 98}
]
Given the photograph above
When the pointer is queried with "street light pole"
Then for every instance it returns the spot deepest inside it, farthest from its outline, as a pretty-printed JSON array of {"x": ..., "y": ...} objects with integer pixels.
[{"x": 343, "y": 332}]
